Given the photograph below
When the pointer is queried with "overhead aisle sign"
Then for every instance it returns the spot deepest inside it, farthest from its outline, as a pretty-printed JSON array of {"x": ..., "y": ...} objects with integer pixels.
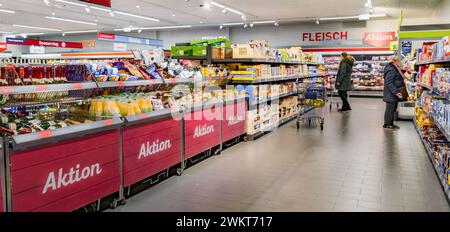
[
  {"x": 125, "y": 39},
  {"x": 43, "y": 43},
  {"x": 106, "y": 3}
]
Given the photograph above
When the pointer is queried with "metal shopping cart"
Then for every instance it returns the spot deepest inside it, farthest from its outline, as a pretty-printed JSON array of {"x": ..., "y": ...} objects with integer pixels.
[
  {"x": 313, "y": 98},
  {"x": 334, "y": 98}
]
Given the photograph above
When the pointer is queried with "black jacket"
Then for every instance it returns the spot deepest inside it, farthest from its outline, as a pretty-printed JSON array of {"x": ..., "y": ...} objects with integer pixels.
[
  {"x": 393, "y": 81},
  {"x": 344, "y": 75}
]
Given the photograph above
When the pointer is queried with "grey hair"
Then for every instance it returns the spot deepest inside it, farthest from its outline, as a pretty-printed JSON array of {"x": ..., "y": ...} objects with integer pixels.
[{"x": 394, "y": 58}]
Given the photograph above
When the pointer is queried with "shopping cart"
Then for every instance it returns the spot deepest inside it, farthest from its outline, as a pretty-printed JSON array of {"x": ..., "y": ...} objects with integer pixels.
[{"x": 313, "y": 98}]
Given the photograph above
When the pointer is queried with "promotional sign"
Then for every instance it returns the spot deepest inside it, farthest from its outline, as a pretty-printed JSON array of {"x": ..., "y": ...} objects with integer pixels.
[
  {"x": 393, "y": 46},
  {"x": 120, "y": 47},
  {"x": 37, "y": 50},
  {"x": 324, "y": 36},
  {"x": 406, "y": 47},
  {"x": 44, "y": 43},
  {"x": 126, "y": 39},
  {"x": 379, "y": 39},
  {"x": 67, "y": 175},
  {"x": 234, "y": 116},
  {"x": 202, "y": 131},
  {"x": 106, "y": 3},
  {"x": 89, "y": 43},
  {"x": 3, "y": 46},
  {"x": 150, "y": 148}
]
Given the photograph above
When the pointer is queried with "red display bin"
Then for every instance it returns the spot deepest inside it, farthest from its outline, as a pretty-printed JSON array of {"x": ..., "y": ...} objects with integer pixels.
[
  {"x": 69, "y": 171},
  {"x": 151, "y": 144},
  {"x": 202, "y": 129},
  {"x": 234, "y": 119}
]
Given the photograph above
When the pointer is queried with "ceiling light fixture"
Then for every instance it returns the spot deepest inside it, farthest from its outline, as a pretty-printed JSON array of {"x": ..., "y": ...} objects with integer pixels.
[
  {"x": 24, "y": 35},
  {"x": 38, "y": 28},
  {"x": 338, "y": 18},
  {"x": 207, "y": 6},
  {"x": 81, "y": 32},
  {"x": 276, "y": 24},
  {"x": 100, "y": 9},
  {"x": 166, "y": 27},
  {"x": 359, "y": 17},
  {"x": 63, "y": 34},
  {"x": 140, "y": 31},
  {"x": 233, "y": 24},
  {"x": 317, "y": 21},
  {"x": 264, "y": 22},
  {"x": 251, "y": 25},
  {"x": 47, "y": 2},
  {"x": 245, "y": 25},
  {"x": 173, "y": 15},
  {"x": 71, "y": 3},
  {"x": 87, "y": 9},
  {"x": 221, "y": 27},
  {"x": 226, "y": 9},
  {"x": 7, "y": 11},
  {"x": 111, "y": 14},
  {"x": 71, "y": 20},
  {"x": 136, "y": 16}
]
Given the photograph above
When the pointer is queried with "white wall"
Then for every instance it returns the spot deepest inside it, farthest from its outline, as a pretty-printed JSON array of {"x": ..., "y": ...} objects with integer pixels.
[{"x": 440, "y": 16}]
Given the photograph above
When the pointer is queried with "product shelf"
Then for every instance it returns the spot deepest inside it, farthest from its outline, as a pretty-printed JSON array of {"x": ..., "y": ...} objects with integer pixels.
[
  {"x": 442, "y": 180},
  {"x": 263, "y": 61},
  {"x": 425, "y": 85},
  {"x": 5, "y": 90},
  {"x": 436, "y": 61},
  {"x": 270, "y": 99},
  {"x": 276, "y": 79}
]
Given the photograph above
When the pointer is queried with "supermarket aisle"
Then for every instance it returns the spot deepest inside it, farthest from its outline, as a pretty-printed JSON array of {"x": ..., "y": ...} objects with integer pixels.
[{"x": 354, "y": 165}]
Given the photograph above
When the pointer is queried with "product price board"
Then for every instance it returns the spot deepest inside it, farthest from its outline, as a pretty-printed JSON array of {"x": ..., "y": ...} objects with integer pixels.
[
  {"x": 150, "y": 147},
  {"x": 202, "y": 129},
  {"x": 66, "y": 175},
  {"x": 234, "y": 115}
]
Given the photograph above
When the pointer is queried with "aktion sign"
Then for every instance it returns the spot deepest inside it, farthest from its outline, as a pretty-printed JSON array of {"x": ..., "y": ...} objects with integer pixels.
[
  {"x": 379, "y": 39},
  {"x": 44, "y": 43},
  {"x": 3, "y": 46}
]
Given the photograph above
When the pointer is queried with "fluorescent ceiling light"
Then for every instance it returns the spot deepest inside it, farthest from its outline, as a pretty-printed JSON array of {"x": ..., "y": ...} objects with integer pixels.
[
  {"x": 31, "y": 34},
  {"x": 378, "y": 15},
  {"x": 33, "y": 27},
  {"x": 232, "y": 24},
  {"x": 71, "y": 3},
  {"x": 234, "y": 11},
  {"x": 5, "y": 32},
  {"x": 79, "y": 32},
  {"x": 339, "y": 18},
  {"x": 100, "y": 9},
  {"x": 7, "y": 11},
  {"x": 217, "y": 4},
  {"x": 263, "y": 22},
  {"x": 71, "y": 20},
  {"x": 166, "y": 27},
  {"x": 226, "y": 8},
  {"x": 136, "y": 16}
]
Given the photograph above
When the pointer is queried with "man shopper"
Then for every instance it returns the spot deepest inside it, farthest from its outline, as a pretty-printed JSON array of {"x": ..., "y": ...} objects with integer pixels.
[
  {"x": 394, "y": 90},
  {"x": 344, "y": 80}
]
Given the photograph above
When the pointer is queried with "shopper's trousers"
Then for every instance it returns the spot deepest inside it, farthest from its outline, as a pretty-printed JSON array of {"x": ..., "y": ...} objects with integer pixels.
[
  {"x": 391, "y": 108},
  {"x": 344, "y": 98}
]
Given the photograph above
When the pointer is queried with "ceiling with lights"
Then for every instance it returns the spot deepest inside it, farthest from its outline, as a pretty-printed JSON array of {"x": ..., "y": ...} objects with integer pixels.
[{"x": 35, "y": 17}]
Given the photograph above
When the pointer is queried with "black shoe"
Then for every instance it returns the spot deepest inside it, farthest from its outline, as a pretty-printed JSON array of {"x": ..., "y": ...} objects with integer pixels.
[
  {"x": 388, "y": 127},
  {"x": 396, "y": 127}
]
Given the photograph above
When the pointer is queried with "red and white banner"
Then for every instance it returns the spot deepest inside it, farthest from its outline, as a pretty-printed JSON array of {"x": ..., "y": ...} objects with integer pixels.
[
  {"x": 106, "y": 3},
  {"x": 202, "y": 131},
  {"x": 150, "y": 148},
  {"x": 106, "y": 36},
  {"x": 234, "y": 124},
  {"x": 44, "y": 43},
  {"x": 66, "y": 176},
  {"x": 3, "y": 46},
  {"x": 379, "y": 39}
]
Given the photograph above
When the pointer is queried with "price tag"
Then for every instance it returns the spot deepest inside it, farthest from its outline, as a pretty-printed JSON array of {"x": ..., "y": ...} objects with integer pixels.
[
  {"x": 41, "y": 88},
  {"x": 77, "y": 86},
  {"x": 173, "y": 81},
  {"x": 45, "y": 134},
  {"x": 142, "y": 116},
  {"x": 120, "y": 84},
  {"x": 108, "y": 122},
  {"x": 5, "y": 90}
]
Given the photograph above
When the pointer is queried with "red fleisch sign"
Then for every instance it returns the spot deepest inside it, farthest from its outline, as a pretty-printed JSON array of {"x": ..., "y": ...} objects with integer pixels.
[
  {"x": 379, "y": 39},
  {"x": 106, "y": 3},
  {"x": 324, "y": 36}
]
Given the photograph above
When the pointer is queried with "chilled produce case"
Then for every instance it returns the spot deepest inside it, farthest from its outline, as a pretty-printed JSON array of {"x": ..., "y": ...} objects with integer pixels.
[{"x": 63, "y": 169}]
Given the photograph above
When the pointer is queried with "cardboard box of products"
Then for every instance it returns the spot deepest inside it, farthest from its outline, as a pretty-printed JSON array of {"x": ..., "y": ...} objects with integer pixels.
[{"x": 242, "y": 51}]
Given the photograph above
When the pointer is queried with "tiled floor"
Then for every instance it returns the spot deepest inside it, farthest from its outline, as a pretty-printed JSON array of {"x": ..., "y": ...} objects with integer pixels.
[{"x": 354, "y": 165}]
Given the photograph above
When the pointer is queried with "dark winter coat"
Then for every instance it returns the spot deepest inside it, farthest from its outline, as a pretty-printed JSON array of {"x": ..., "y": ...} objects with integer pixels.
[
  {"x": 344, "y": 75},
  {"x": 393, "y": 82}
]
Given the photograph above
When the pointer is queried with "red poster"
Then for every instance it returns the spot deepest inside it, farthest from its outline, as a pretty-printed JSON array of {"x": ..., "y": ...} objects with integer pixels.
[
  {"x": 379, "y": 39},
  {"x": 3, "y": 46},
  {"x": 234, "y": 124},
  {"x": 106, "y": 36},
  {"x": 44, "y": 43},
  {"x": 202, "y": 131},
  {"x": 106, "y": 3},
  {"x": 66, "y": 176},
  {"x": 150, "y": 148}
]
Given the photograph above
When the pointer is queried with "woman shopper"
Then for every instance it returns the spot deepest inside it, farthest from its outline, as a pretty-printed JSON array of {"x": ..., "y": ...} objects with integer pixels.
[
  {"x": 344, "y": 80},
  {"x": 394, "y": 90}
]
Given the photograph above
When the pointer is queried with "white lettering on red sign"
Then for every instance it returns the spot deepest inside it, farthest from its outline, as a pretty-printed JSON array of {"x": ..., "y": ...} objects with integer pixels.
[
  {"x": 73, "y": 176},
  {"x": 233, "y": 120},
  {"x": 106, "y": 36},
  {"x": 48, "y": 43},
  {"x": 157, "y": 146},
  {"x": 203, "y": 130},
  {"x": 325, "y": 36},
  {"x": 379, "y": 39},
  {"x": 3, "y": 47}
]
